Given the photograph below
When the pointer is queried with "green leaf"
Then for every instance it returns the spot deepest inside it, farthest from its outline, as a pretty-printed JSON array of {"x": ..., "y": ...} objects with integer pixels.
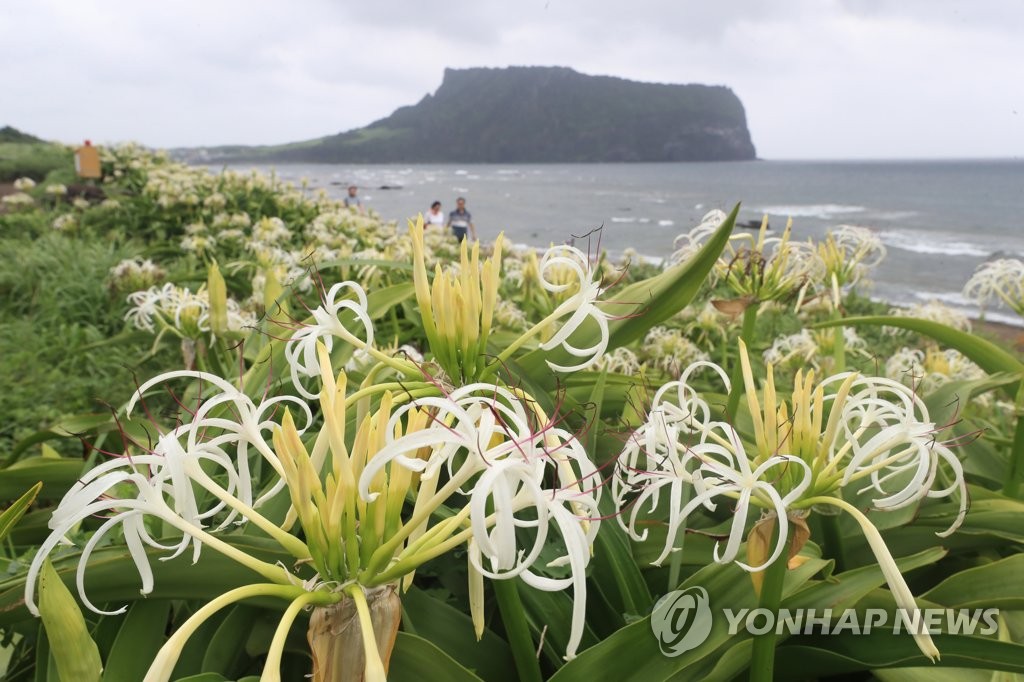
[
  {"x": 452, "y": 630},
  {"x": 614, "y": 569},
  {"x": 417, "y": 660},
  {"x": 111, "y": 576},
  {"x": 985, "y": 354},
  {"x": 380, "y": 301},
  {"x": 839, "y": 592},
  {"x": 138, "y": 641},
  {"x": 226, "y": 648},
  {"x": 995, "y": 585},
  {"x": 56, "y": 475},
  {"x": 821, "y": 655},
  {"x": 644, "y": 304},
  {"x": 662, "y": 296},
  {"x": 633, "y": 653},
  {"x": 13, "y": 514},
  {"x": 73, "y": 650}
]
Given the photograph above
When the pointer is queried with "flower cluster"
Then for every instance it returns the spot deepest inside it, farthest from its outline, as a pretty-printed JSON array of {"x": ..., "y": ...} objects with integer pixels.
[{"x": 848, "y": 430}]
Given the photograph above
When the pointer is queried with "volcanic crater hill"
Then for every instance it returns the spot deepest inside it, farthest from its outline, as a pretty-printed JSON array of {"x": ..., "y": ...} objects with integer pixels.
[{"x": 533, "y": 115}]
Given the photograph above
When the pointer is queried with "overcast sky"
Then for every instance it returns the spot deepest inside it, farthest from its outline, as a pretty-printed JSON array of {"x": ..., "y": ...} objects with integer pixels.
[{"x": 818, "y": 78}]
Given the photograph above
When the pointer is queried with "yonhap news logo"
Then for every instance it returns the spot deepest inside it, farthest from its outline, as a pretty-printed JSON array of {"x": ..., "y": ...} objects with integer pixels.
[{"x": 682, "y": 620}]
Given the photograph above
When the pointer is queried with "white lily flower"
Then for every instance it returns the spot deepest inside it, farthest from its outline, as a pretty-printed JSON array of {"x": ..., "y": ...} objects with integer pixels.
[
  {"x": 565, "y": 269},
  {"x": 481, "y": 436},
  {"x": 245, "y": 425},
  {"x": 164, "y": 490},
  {"x": 300, "y": 350},
  {"x": 844, "y": 430},
  {"x": 1000, "y": 282}
]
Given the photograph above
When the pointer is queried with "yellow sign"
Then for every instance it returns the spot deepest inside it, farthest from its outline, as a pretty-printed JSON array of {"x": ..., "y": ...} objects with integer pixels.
[{"x": 87, "y": 161}]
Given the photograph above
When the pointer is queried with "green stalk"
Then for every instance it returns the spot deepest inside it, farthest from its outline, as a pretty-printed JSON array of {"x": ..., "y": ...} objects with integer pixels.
[
  {"x": 833, "y": 540},
  {"x": 514, "y": 618},
  {"x": 736, "y": 379},
  {"x": 1016, "y": 475},
  {"x": 762, "y": 655},
  {"x": 676, "y": 558},
  {"x": 838, "y": 344}
]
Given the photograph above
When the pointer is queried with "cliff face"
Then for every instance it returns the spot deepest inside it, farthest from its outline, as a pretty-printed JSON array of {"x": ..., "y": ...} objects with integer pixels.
[{"x": 543, "y": 114}]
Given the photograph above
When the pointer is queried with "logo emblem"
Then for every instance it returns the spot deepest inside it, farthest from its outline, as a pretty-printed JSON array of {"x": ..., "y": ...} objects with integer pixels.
[{"x": 681, "y": 620}]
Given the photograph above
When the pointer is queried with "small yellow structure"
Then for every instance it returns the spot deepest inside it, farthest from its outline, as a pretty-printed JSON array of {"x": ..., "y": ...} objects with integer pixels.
[{"x": 87, "y": 161}]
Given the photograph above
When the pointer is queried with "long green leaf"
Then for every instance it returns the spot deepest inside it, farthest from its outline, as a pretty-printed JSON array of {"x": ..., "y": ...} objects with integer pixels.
[
  {"x": 111, "y": 575},
  {"x": 452, "y": 630},
  {"x": 633, "y": 653},
  {"x": 809, "y": 657},
  {"x": 73, "y": 650},
  {"x": 56, "y": 475},
  {"x": 995, "y": 585},
  {"x": 985, "y": 354},
  {"x": 417, "y": 660},
  {"x": 226, "y": 648},
  {"x": 644, "y": 304},
  {"x": 141, "y": 635},
  {"x": 13, "y": 514},
  {"x": 840, "y": 592},
  {"x": 662, "y": 296}
]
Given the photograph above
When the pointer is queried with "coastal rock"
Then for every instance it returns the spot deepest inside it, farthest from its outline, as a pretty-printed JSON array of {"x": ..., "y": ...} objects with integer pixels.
[{"x": 536, "y": 115}]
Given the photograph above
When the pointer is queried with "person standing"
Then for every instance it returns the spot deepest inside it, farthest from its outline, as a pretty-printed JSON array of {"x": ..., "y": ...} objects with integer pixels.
[
  {"x": 352, "y": 200},
  {"x": 435, "y": 216},
  {"x": 461, "y": 221}
]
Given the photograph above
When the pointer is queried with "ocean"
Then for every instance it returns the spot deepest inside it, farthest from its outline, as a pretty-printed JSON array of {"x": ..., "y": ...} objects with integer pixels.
[{"x": 938, "y": 219}]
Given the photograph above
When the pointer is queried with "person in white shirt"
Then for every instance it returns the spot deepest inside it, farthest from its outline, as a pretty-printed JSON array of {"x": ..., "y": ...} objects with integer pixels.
[{"x": 434, "y": 217}]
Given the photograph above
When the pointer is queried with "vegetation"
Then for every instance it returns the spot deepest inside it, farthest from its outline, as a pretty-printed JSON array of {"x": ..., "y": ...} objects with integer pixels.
[{"x": 256, "y": 413}]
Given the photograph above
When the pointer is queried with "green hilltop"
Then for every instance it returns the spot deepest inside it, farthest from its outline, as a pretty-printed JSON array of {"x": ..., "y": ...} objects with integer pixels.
[{"x": 533, "y": 114}]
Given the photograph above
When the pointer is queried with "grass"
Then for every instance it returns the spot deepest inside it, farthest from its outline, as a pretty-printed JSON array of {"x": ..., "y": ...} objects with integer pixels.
[{"x": 34, "y": 160}]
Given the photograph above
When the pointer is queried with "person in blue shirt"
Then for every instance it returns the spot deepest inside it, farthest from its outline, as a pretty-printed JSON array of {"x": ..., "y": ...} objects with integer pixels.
[
  {"x": 352, "y": 200},
  {"x": 461, "y": 221}
]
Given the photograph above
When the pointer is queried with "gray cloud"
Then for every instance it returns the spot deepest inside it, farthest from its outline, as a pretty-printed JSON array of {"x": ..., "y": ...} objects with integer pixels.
[{"x": 819, "y": 78}]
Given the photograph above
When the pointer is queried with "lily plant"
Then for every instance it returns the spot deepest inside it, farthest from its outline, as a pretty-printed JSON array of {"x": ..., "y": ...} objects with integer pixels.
[
  {"x": 846, "y": 432},
  {"x": 425, "y": 472}
]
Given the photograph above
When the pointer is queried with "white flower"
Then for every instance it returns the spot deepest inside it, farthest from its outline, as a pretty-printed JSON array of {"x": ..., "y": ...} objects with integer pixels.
[
  {"x": 300, "y": 350},
  {"x": 521, "y": 482},
  {"x": 620, "y": 361},
  {"x": 18, "y": 199},
  {"x": 566, "y": 269},
  {"x": 249, "y": 422},
  {"x": 670, "y": 350},
  {"x": 688, "y": 244},
  {"x": 999, "y": 281},
  {"x": 24, "y": 184},
  {"x": 65, "y": 223},
  {"x": 933, "y": 311}
]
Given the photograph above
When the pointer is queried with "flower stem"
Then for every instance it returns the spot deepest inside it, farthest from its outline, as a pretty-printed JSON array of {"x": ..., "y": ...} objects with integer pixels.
[
  {"x": 1016, "y": 474},
  {"x": 514, "y": 618},
  {"x": 833, "y": 540},
  {"x": 374, "y": 665},
  {"x": 762, "y": 655},
  {"x": 272, "y": 666},
  {"x": 747, "y": 334},
  {"x": 163, "y": 665},
  {"x": 838, "y": 344}
]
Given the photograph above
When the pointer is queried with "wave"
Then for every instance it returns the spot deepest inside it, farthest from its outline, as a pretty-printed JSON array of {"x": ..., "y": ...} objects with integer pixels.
[
  {"x": 666, "y": 223},
  {"x": 823, "y": 211},
  {"x": 617, "y": 219},
  {"x": 932, "y": 243}
]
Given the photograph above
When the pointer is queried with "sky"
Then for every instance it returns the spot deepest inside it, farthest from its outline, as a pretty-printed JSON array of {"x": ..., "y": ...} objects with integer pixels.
[{"x": 820, "y": 79}]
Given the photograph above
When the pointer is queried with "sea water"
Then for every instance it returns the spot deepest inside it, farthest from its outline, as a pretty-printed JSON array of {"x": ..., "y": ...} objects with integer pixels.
[{"x": 938, "y": 219}]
